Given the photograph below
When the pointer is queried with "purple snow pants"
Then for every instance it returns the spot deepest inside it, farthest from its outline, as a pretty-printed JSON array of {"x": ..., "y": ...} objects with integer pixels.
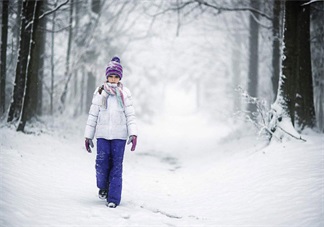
[{"x": 109, "y": 167}]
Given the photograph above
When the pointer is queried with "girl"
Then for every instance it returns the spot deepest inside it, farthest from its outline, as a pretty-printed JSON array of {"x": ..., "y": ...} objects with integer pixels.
[{"x": 112, "y": 118}]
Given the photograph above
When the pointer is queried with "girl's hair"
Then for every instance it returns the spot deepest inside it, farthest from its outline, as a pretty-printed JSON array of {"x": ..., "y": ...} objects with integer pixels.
[{"x": 100, "y": 89}]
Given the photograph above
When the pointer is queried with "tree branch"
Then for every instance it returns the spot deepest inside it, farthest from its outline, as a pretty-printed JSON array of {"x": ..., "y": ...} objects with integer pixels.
[
  {"x": 298, "y": 138},
  {"x": 310, "y": 2},
  {"x": 218, "y": 8},
  {"x": 234, "y": 9},
  {"x": 57, "y": 31},
  {"x": 175, "y": 8},
  {"x": 53, "y": 10}
]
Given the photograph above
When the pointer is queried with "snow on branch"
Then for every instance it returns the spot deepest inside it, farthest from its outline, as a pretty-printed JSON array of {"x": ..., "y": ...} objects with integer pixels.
[
  {"x": 177, "y": 8},
  {"x": 216, "y": 7},
  {"x": 235, "y": 9},
  {"x": 53, "y": 10},
  {"x": 47, "y": 13},
  {"x": 269, "y": 122},
  {"x": 280, "y": 122},
  {"x": 259, "y": 118},
  {"x": 220, "y": 8},
  {"x": 311, "y": 1}
]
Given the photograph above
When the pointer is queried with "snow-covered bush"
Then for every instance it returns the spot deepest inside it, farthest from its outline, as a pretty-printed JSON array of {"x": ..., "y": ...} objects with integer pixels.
[
  {"x": 259, "y": 118},
  {"x": 269, "y": 120}
]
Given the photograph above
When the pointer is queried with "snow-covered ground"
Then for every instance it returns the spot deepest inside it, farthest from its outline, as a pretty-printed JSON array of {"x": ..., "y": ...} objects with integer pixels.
[{"x": 185, "y": 172}]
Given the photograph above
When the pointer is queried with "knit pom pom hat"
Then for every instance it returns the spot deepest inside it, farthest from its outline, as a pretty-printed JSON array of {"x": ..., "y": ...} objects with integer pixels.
[{"x": 114, "y": 68}]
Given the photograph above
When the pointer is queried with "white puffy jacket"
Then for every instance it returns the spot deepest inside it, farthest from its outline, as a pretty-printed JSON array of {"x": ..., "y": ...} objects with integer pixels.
[{"x": 113, "y": 122}]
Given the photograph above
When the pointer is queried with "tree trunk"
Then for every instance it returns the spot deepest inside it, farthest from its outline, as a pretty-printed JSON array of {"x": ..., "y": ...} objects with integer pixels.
[
  {"x": 18, "y": 21},
  {"x": 3, "y": 59},
  {"x": 282, "y": 114},
  {"x": 276, "y": 46},
  {"x": 52, "y": 63},
  {"x": 37, "y": 64},
  {"x": 28, "y": 98},
  {"x": 68, "y": 54},
  {"x": 91, "y": 80},
  {"x": 317, "y": 52},
  {"x": 67, "y": 63},
  {"x": 305, "y": 112},
  {"x": 41, "y": 57},
  {"x": 95, "y": 6},
  {"x": 23, "y": 53},
  {"x": 289, "y": 67},
  {"x": 253, "y": 55},
  {"x": 236, "y": 68},
  {"x": 83, "y": 88},
  {"x": 76, "y": 83}
]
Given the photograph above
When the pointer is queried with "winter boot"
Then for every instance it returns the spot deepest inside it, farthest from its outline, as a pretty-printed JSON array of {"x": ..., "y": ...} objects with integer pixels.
[
  {"x": 111, "y": 205},
  {"x": 103, "y": 193}
]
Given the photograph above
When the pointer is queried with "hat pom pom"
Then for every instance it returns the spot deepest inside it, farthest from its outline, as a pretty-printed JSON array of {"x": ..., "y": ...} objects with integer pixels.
[{"x": 116, "y": 59}]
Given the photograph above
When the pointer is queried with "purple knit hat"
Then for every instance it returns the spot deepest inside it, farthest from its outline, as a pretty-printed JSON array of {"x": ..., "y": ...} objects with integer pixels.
[{"x": 114, "y": 68}]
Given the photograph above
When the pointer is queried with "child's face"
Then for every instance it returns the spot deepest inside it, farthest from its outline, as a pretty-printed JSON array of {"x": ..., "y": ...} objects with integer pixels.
[{"x": 113, "y": 79}]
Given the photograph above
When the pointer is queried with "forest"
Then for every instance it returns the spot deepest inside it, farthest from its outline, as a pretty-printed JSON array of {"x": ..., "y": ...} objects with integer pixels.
[
  {"x": 53, "y": 55},
  {"x": 223, "y": 101}
]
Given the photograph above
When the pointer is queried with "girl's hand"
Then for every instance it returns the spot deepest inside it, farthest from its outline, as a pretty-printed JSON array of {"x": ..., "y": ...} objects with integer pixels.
[
  {"x": 88, "y": 143},
  {"x": 132, "y": 139}
]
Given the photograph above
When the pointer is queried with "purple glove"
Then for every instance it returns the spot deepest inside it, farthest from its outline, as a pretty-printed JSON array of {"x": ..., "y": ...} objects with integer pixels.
[
  {"x": 133, "y": 140},
  {"x": 88, "y": 143}
]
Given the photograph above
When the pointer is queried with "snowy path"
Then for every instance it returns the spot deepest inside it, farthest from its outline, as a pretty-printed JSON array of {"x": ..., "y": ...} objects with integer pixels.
[{"x": 179, "y": 176}]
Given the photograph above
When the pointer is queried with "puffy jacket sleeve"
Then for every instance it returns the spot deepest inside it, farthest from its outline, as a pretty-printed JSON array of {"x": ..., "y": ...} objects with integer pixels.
[
  {"x": 90, "y": 128},
  {"x": 130, "y": 114}
]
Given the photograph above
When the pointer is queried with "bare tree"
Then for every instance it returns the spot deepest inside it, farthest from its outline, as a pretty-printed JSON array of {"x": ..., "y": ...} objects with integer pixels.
[
  {"x": 31, "y": 65},
  {"x": 276, "y": 23},
  {"x": 91, "y": 80},
  {"x": 317, "y": 53},
  {"x": 253, "y": 55},
  {"x": 68, "y": 57},
  {"x": 3, "y": 59},
  {"x": 37, "y": 64},
  {"x": 305, "y": 111},
  {"x": 284, "y": 108},
  {"x": 27, "y": 13},
  {"x": 82, "y": 36},
  {"x": 52, "y": 61}
]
